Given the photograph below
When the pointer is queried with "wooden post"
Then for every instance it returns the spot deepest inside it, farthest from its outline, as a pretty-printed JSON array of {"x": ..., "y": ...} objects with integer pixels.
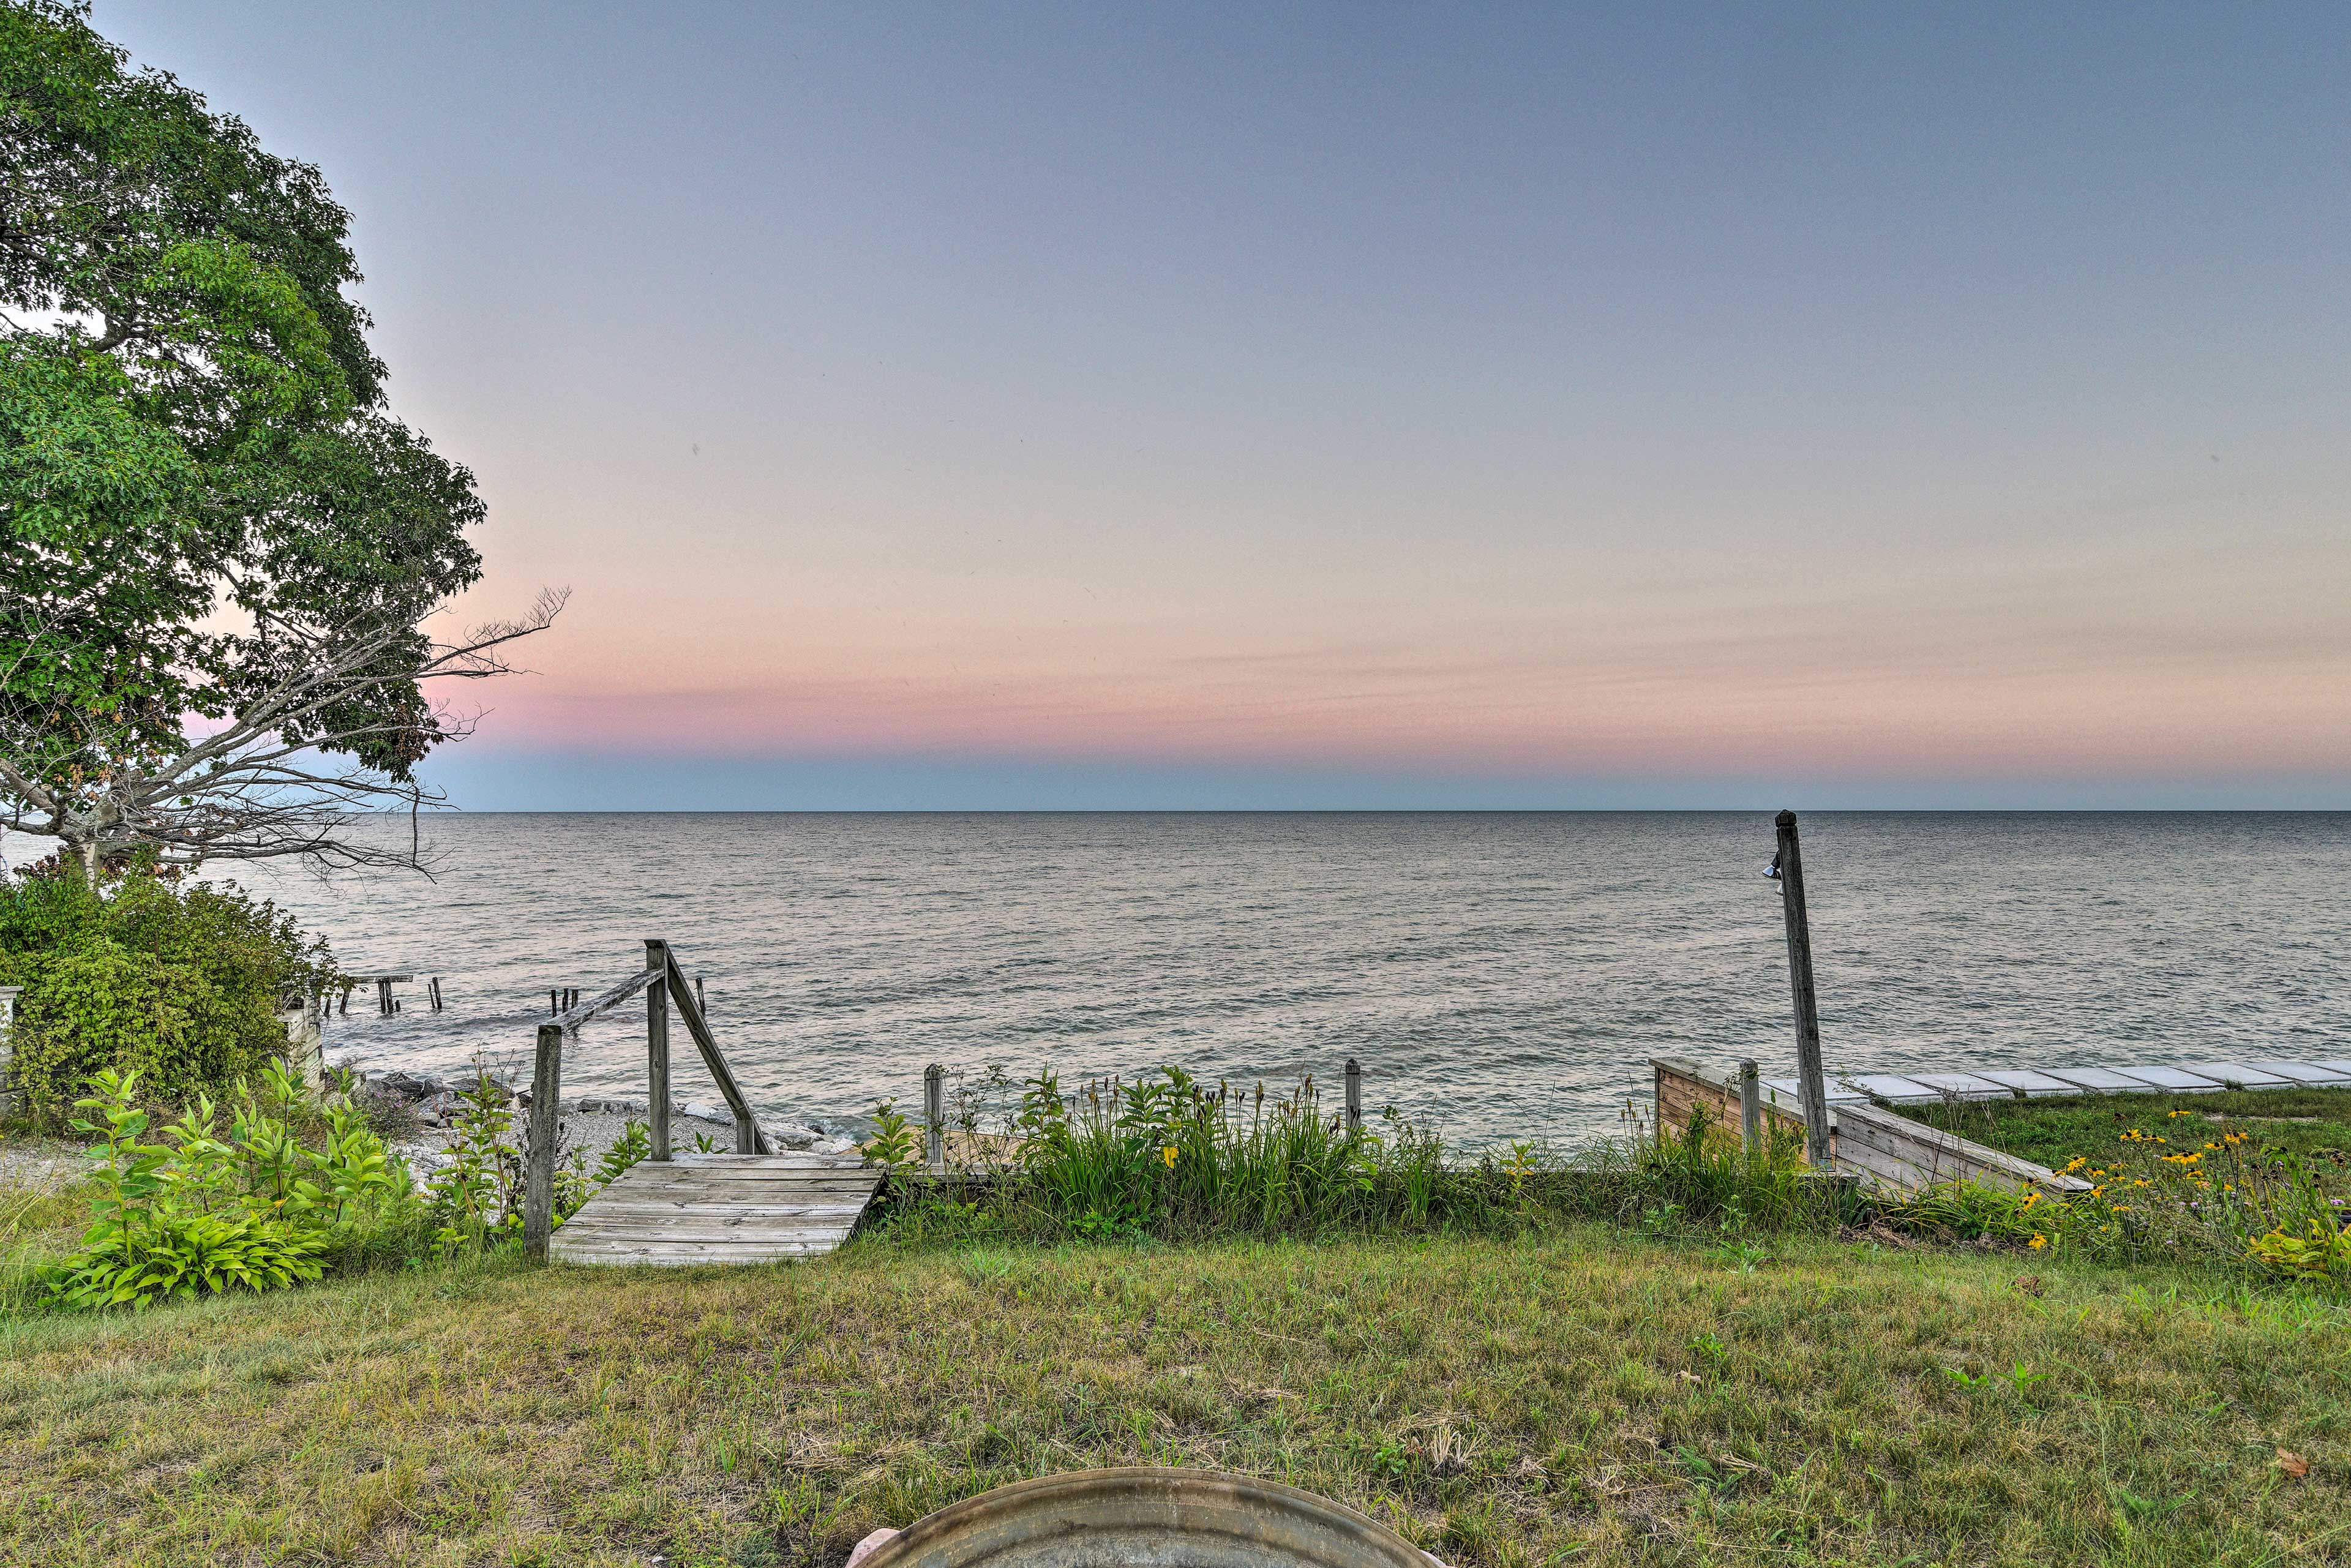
[
  {"x": 657, "y": 1046},
  {"x": 1812, "y": 1089},
  {"x": 934, "y": 1118},
  {"x": 552, "y": 996},
  {"x": 699, "y": 999},
  {"x": 1750, "y": 1108},
  {"x": 384, "y": 997},
  {"x": 538, "y": 1194},
  {"x": 1355, "y": 1093}
]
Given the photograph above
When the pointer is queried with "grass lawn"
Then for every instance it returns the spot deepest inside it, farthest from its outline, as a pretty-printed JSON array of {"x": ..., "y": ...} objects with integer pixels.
[{"x": 1588, "y": 1397}]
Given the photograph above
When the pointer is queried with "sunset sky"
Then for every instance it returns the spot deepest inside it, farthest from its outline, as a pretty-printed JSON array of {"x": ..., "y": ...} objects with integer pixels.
[{"x": 1555, "y": 405}]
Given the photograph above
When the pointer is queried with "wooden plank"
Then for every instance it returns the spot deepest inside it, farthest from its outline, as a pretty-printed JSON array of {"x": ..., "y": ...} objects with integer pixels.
[
  {"x": 677, "y": 1166},
  {"x": 2305, "y": 1071},
  {"x": 776, "y": 1160},
  {"x": 1893, "y": 1086},
  {"x": 2096, "y": 1080},
  {"x": 1784, "y": 1092},
  {"x": 737, "y": 1192},
  {"x": 721, "y": 1251},
  {"x": 708, "y": 1222},
  {"x": 1945, "y": 1155},
  {"x": 704, "y": 1251},
  {"x": 630, "y": 1249},
  {"x": 651, "y": 1213},
  {"x": 2173, "y": 1080},
  {"x": 1963, "y": 1085},
  {"x": 727, "y": 1235},
  {"x": 2227, "y": 1073},
  {"x": 838, "y": 1174},
  {"x": 1924, "y": 1154},
  {"x": 2034, "y": 1085},
  {"x": 572, "y": 1018},
  {"x": 1881, "y": 1168},
  {"x": 685, "y": 1257}
]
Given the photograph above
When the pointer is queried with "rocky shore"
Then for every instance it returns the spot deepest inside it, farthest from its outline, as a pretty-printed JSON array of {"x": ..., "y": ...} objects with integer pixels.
[{"x": 421, "y": 1110}]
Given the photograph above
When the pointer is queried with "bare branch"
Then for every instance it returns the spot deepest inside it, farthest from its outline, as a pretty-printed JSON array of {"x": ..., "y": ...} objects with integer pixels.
[{"x": 271, "y": 781}]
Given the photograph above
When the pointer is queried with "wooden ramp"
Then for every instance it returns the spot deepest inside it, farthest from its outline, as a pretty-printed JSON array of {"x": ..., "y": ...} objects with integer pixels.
[{"x": 720, "y": 1208}]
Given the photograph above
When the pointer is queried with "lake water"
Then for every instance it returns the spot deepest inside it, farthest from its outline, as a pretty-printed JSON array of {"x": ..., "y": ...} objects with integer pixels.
[{"x": 1505, "y": 975}]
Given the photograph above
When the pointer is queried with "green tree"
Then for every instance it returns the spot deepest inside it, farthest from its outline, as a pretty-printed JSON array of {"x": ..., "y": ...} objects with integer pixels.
[{"x": 218, "y": 551}]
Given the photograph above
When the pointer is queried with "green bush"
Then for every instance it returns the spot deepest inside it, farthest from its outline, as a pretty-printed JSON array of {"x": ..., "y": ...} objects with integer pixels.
[
  {"x": 198, "y": 1213},
  {"x": 181, "y": 985}
]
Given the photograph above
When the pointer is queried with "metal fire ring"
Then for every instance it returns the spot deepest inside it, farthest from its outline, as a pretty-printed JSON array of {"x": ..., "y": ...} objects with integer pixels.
[{"x": 1147, "y": 1517}]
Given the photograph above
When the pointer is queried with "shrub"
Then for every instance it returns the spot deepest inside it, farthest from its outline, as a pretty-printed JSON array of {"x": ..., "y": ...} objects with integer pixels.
[{"x": 178, "y": 985}]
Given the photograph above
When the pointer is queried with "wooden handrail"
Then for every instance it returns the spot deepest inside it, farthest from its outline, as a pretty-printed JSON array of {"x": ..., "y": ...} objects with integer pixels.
[
  {"x": 749, "y": 1138},
  {"x": 665, "y": 983},
  {"x": 571, "y": 1020}
]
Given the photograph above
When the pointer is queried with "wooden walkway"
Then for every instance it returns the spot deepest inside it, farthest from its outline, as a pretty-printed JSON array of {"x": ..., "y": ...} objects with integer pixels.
[
  {"x": 1890, "y": 1152},
  {"x": 2199, "y": 1078},
  {"x": 720, "y": 1208}
]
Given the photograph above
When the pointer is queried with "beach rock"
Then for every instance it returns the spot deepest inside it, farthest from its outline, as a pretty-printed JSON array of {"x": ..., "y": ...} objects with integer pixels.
[
  {"x": 422, "y": 1160},
  {"x": 794, "y": 1138},
  {"x": 836, "y": 1146},
  {"x": 698, "y": 1111}
]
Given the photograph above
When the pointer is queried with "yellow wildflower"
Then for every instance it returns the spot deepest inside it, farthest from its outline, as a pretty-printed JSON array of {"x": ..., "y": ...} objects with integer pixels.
[{"x": 1168, "y": 1153}]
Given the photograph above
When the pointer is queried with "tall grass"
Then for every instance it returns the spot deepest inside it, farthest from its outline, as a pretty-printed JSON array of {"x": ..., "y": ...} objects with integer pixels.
[{"x": 1167, "y": 1155}]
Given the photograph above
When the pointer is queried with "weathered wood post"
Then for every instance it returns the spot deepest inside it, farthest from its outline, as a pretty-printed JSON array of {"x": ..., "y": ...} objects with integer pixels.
[
  {"x": 1355, "y": 1093},
  {"x": 934, "y": 1118},
  {"x": 554, "y": 999},
  {"x": 701, "y": 1002},
  {"x": 8, "y": 995},
  {"x": 657, "y": 1046},
  {"x": 538, "y": 1194},
  {"x": 1750, "y": 1108},
  {"x": 1812, "y": 1089}
]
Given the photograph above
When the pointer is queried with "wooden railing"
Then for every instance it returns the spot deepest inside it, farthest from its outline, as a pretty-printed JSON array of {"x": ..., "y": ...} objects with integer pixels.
[{"x": 664, "y": 985}]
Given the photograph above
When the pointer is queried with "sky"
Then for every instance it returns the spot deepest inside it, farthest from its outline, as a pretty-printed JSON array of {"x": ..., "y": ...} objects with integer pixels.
[{"x": 1550, "y": 406}]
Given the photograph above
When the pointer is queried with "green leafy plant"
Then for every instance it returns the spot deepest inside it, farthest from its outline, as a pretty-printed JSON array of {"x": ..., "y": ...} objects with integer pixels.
[
  {"x": 632, "y": 1148},
  {"x": 2320, "y": 1254},
  {"x": 176, "y": 1219},
  {"x": 893, "y": 1146},
  {"x": 473, "y": 1199}
]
